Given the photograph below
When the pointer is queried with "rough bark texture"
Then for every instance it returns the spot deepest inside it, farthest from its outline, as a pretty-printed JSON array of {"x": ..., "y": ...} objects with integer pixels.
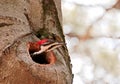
[{"x": 22, "y": 21}]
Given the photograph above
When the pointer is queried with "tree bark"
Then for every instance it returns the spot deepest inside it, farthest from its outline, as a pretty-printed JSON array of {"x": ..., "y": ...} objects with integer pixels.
[{"x": 23, "y": 21}]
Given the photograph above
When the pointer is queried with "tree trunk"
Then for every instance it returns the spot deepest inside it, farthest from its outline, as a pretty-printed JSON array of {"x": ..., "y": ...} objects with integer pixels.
[{"x": 23, "y": 21}]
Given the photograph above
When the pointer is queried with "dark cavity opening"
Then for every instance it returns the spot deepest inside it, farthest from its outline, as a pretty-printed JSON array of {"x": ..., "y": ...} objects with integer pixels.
[{"x": 40, "y": 58}]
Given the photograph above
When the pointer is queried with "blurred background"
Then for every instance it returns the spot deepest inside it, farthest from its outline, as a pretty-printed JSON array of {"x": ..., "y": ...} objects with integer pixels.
[{"x": 92, "y": 32}]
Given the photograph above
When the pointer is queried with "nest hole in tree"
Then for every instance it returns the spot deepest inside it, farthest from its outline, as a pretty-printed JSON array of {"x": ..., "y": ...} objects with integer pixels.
[
  {"x": 44, "y": 58},
  {"x": 40, "y": 58}
]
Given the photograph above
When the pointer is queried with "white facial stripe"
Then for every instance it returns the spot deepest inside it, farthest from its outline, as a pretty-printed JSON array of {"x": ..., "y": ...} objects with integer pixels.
[
  {"x": 46, "y": 48},
  {"x": 54, "y": 48}
]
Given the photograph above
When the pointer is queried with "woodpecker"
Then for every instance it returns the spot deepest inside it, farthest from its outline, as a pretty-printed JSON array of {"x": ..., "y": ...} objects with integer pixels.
[{"x": 44, "y": 45}]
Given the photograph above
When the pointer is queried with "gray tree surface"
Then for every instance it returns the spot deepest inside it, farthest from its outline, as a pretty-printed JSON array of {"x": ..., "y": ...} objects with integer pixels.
[{"x": 23, "y": 21}]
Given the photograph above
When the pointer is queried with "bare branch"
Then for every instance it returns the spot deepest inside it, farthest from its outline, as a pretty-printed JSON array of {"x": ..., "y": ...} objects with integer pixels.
[{"x": 88, "y": 36}]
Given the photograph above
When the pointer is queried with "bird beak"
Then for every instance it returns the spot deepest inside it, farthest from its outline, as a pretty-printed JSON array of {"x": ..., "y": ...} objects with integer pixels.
[
  {"x": 49, "y": 47},
  {"x": 54, "y": 45}
]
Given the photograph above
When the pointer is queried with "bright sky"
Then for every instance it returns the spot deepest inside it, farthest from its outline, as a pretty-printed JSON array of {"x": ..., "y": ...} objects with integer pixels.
[
  {"x": 78, "y": 63},
  {"x": 92, "y": 2}
]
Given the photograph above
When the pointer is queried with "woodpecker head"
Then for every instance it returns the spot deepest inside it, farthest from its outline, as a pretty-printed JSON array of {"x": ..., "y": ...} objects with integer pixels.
[{"x": 46, "y": 45}]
